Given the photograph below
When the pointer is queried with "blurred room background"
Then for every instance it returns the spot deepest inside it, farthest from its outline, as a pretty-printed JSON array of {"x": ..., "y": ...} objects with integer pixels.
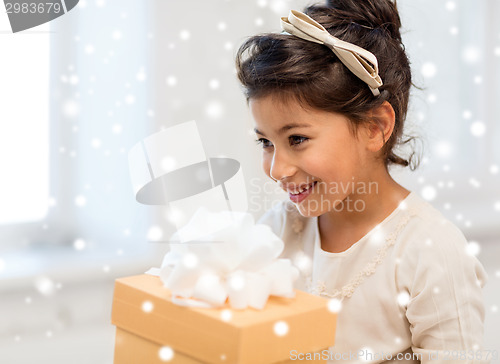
[{"x": 77, "y": 93}]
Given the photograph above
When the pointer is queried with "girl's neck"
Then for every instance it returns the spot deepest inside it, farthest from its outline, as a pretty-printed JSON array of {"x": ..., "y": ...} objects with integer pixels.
[{"x": 360, "y": 213}]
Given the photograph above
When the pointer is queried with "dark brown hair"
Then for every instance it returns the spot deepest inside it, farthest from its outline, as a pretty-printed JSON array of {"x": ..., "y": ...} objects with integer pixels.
[{"x": 288, "y": 67}]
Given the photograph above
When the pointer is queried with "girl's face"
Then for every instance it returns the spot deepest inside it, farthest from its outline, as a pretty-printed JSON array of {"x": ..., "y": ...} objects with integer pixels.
[{"x": 306, "y": 147}]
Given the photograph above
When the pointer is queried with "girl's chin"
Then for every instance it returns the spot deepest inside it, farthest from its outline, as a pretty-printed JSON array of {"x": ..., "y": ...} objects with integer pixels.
[
  {"x": 312, "y": 208},
  {"x": 309, "y": 212}
]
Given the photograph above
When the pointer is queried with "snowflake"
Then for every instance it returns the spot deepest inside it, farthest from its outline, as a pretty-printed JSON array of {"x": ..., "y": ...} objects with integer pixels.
[
  {"x": 428, "y": 70},
  {"x": 214, "y": 84},
  {"x": 478, "y": 128},
  {"x": 214, "y": 109},
  {"x": 403, "y": 299},
  {"x": 155, "y": 233},
  {"x": 450, "y": 5},
  {"x": 80, "y": 201},
  {"x": 116, "y": 35},
  {"x": 89, "y": 49},
  {"x": 334, "y": 305},
  {"x": 79, "y": 244},
  {"x": 171, "y": 81},
  {"x": 454, "y": 30},
  {"x": 141, "y": 75},
  {"x": 429, "y": 193},
  {"x": 473, "y": 248},
  {"x": 45, "y": 285},
  {"x": 471, "y": 54},
  {"x": 70, "y": 108},
  {"x": 166, "y": 353},
  {"x": 184, "y": 34},
  {"x": 147, "y": 306},
  {"x": 281, "y": 328}
]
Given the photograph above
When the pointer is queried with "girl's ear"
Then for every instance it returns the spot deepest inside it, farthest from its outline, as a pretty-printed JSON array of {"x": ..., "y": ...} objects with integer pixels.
[{"x": 380, "y": 126}]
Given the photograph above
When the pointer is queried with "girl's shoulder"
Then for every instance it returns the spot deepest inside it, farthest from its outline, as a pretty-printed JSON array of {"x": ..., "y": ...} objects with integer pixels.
[
  {"x": 427, "y": 223},
  {"x": 431, "y": 242}
]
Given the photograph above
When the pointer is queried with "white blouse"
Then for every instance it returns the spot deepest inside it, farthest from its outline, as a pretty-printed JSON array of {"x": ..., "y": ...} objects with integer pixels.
[{"x": 407, "y": 291}]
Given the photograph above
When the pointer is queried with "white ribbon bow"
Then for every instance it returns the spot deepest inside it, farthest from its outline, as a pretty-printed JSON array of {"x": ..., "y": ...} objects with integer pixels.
[
  {"x": 238, "y": 261},
  {"x": 359, "y": 61}
]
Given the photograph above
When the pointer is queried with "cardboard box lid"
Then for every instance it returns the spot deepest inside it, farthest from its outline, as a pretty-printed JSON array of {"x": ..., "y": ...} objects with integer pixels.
[{"x": 249, "y": 336}]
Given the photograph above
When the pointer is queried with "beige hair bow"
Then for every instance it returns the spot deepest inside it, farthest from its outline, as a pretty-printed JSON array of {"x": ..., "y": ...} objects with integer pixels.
[{"x": 359, "y": 61}]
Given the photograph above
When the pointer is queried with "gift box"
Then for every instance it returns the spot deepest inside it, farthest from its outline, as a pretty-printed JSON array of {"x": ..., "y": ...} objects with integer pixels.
[{"x": 151, "y": 329}]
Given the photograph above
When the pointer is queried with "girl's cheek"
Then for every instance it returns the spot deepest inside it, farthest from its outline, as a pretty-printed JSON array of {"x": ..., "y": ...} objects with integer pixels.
[{"x": 266, "y": 165}]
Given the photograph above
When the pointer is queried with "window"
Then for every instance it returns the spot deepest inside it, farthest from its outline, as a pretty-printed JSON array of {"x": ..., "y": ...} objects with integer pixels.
[
  {"x": 78, "y": 99},
  {"x": 455, "y": 52},
  {"x": 24, "y": 124}
]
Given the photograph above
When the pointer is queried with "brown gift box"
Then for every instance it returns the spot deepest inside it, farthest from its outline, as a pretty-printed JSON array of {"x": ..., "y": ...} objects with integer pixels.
[{"x": 148, "y": 321}]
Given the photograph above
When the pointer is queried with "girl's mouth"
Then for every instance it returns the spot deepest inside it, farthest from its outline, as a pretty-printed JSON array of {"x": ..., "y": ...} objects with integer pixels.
[{"x": 299, "y": 197}]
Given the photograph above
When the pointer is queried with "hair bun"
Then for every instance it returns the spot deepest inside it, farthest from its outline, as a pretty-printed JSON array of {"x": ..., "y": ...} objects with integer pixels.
[{"x": 374, "y": 14}]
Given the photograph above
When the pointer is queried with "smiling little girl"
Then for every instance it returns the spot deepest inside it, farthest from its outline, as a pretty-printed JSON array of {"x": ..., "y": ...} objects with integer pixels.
[{"x": 329, "y": 97}]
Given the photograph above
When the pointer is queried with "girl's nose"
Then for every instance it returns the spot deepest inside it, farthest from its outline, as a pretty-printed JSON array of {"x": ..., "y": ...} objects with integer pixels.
[{"x": 281, "y": 166}]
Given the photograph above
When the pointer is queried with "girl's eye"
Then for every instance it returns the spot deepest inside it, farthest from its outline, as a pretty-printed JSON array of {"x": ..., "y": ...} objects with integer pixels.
[
  {"x": 265, "y": 143},
  {"x": 297, "y": 140}
]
